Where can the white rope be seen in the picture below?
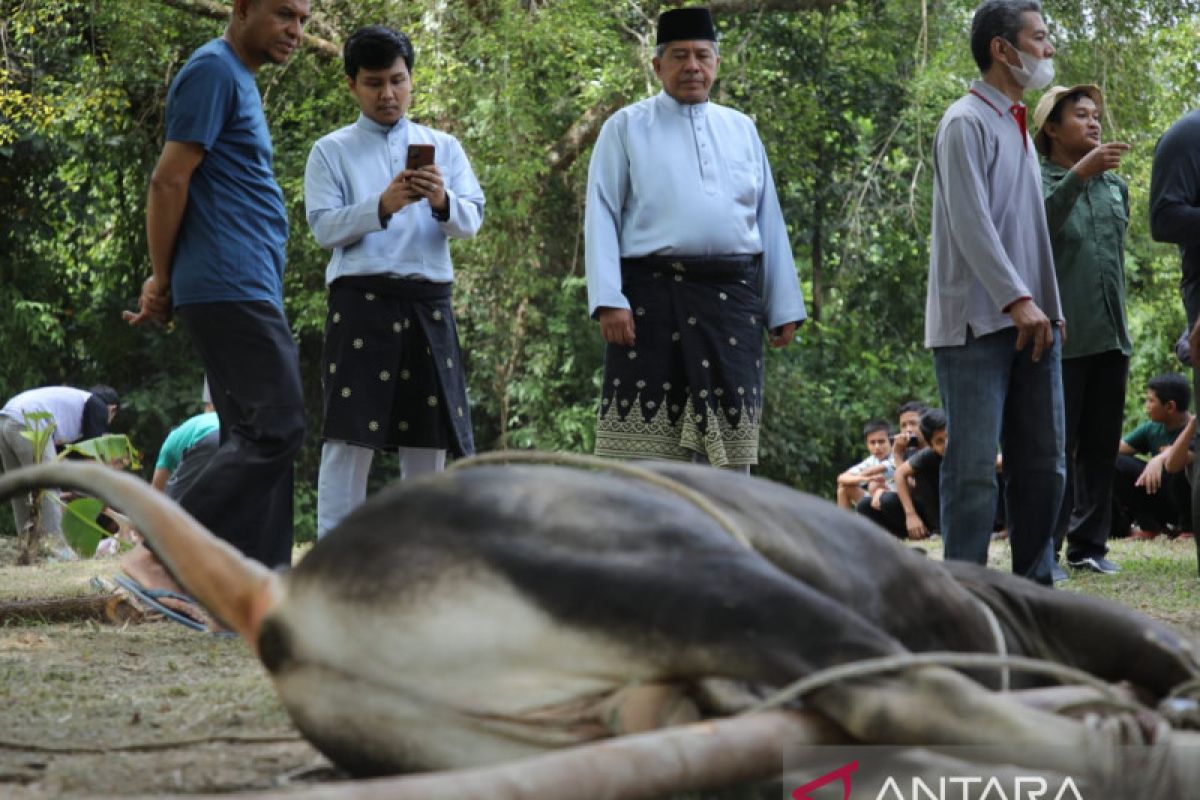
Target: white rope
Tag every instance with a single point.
(1001, 643)
(903, 661)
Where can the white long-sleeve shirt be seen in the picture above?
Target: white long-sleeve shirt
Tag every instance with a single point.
(347, 172)
(670, 178)
(990, 243)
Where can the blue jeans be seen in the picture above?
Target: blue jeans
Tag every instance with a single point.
(994, 394)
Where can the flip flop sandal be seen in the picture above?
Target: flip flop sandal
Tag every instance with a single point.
(151, 598)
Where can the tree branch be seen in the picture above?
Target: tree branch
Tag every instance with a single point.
(584, 130)
(214, 10)
(580, 135)
(698, 757)
(719, 7)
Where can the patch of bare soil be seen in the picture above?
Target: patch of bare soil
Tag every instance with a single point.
(95, 710)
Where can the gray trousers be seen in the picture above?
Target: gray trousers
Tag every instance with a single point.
(191, 464)
(345, 467)
(16, 451)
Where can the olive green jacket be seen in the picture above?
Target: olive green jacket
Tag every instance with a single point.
(1087, 221)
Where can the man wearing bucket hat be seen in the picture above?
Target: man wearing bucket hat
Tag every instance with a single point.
(1087, 210)
(992, 308)
(688, 259)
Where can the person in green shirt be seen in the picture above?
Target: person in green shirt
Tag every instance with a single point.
(185, 452)
(1145, 491)
(1087, 211)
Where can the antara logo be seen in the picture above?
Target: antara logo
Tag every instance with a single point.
(842, 772)
(1025, 787)
(1030, 787)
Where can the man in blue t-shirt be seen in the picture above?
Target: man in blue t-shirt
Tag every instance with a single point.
(216, 227)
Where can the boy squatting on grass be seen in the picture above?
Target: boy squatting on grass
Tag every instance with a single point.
(873, 472)
(908, 442)
(1144, 492)
(912, 509)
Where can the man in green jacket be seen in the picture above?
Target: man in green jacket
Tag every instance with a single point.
(1087, 210)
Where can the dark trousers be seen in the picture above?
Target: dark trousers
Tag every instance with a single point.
(244, 494)
(1189, 290)
(890, 514)
(1094, 404)
(1170, 505)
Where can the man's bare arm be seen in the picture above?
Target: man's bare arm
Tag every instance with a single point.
(165, 204)
(1180, 454)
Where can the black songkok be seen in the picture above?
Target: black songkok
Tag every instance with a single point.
(684, 24)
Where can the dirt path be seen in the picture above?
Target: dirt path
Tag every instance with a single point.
(200, 706)
(94, 710)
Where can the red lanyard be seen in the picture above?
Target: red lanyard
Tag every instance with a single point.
(1018, 114)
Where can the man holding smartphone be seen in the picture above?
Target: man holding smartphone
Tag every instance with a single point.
(386, 195)
(688, 259)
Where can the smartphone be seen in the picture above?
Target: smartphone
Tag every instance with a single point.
(419, 155)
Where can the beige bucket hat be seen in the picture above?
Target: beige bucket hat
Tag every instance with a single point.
(1053, 96)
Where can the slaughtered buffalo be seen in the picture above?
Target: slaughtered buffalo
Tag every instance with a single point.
(504, 611)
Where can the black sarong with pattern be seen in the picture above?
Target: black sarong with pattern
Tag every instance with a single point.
(392, 371)
(692, 383)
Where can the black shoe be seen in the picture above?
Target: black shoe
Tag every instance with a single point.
(1058, 574)
(1098, 564)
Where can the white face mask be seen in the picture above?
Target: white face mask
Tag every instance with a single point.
(1034, 73)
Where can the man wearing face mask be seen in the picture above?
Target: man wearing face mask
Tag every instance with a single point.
(992, 314)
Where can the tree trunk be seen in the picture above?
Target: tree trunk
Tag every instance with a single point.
(105, 607)
(691, 758)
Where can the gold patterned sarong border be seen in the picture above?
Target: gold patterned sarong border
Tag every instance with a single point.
(730, 438)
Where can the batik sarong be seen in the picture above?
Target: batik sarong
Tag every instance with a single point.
(692, 382)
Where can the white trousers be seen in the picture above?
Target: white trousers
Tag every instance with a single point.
(342, 481)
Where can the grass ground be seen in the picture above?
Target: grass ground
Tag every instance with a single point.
(1158, 578)
(90, 710)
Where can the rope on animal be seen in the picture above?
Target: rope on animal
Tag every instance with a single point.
(874, 666)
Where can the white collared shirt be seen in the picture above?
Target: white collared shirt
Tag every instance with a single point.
(669, 178)
(347, 172)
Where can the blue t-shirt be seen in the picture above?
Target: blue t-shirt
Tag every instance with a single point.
(231, 241)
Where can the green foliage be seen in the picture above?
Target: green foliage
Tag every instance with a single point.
(39, 430)
(79, 519)
(847, 101)
(79, 525)
(113, 449)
